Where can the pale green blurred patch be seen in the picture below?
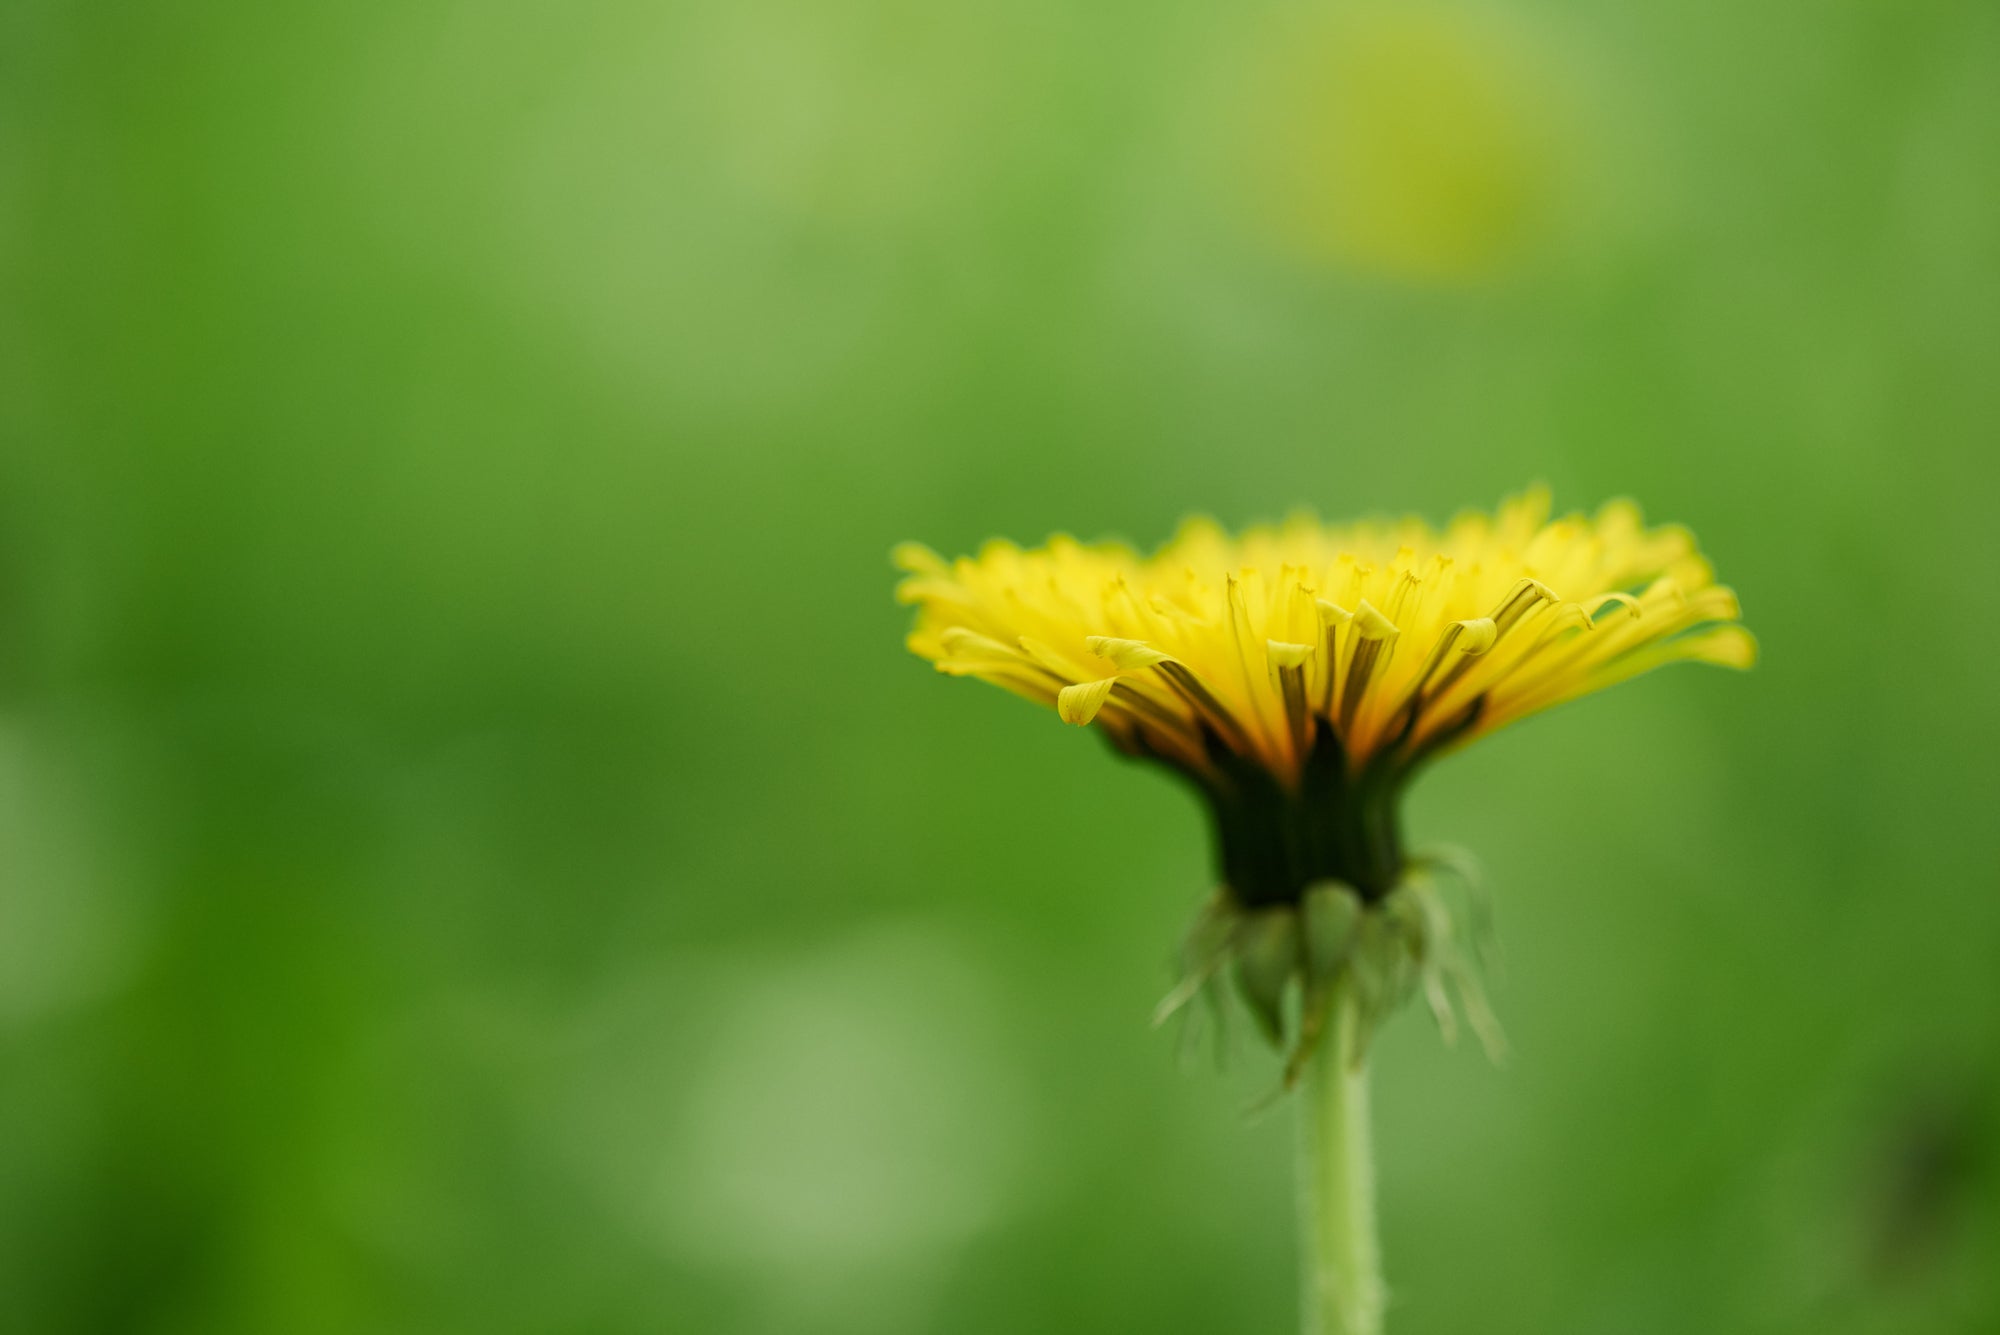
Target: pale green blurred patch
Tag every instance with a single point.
(475, 856)
(70, 929)
(854, 1124)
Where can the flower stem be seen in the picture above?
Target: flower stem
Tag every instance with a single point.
(1341, 1261)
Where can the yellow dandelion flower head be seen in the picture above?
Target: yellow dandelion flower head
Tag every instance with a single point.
(1299, 674)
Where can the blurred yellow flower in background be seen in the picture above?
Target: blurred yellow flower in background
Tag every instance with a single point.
(1420, 141)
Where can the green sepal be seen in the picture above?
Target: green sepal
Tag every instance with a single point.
(1204, 950)
(1451, 963)
(1412, 939)
(1332, 913)
(1267, 955)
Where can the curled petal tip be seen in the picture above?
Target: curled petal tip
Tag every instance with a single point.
(1079, 704)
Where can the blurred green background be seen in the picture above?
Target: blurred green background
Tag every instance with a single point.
(475, 855)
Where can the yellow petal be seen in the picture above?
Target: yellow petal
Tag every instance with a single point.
(1725, 646)
(932, 588)
(1624, 600)
(962, 643)
(1079, 704)
(917, 559)
(1370, 624)
(1474, 636)
(1287, 655)
(1129, 655)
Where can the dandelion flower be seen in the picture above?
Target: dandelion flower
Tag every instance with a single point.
(1299, 676)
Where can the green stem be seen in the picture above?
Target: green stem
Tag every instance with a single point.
(1342, 1261)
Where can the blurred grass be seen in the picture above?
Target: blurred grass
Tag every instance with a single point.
(474, 855)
